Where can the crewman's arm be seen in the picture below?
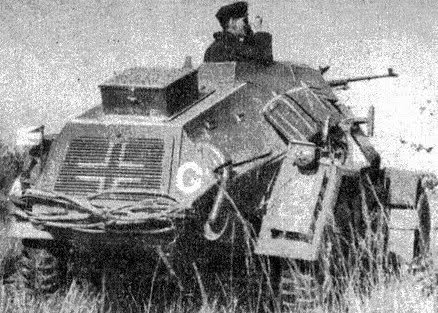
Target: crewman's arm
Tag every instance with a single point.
(257, 48)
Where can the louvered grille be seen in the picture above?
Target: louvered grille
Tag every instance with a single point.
(290, 119)
(94, 164)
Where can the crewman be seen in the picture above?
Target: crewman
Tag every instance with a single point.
(237, 41)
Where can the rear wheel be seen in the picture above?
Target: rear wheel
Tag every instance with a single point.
(42, 266)
(418, 241)
(422, 244)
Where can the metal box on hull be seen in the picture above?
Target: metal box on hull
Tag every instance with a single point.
(150, 91)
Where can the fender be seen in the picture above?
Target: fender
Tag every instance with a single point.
(26, 230)
(19, 228)
(300, 207)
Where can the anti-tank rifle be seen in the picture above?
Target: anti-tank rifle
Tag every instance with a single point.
(344, 82)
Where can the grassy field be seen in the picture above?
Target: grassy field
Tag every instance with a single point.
(407, 293)
(364, 291)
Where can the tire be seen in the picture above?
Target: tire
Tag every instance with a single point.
(422, 242)
(306, 285)
(423, 239)
(42, 267)
(300, 287)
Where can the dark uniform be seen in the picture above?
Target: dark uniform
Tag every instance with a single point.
(227, 47)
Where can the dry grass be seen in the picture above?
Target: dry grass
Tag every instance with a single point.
(364, 291)
(400, 295)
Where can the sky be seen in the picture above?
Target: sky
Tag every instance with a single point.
(56, 52)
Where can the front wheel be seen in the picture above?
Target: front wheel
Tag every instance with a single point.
(300, 287)
(42, 266)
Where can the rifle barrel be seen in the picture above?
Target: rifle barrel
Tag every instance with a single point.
(344, 82)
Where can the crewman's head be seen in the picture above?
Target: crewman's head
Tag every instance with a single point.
(234, 18)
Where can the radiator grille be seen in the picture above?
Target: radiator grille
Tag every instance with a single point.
(94, 164)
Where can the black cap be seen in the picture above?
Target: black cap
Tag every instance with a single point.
(234, 10)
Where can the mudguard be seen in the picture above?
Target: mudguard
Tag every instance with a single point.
(301, 205)
(25, 230)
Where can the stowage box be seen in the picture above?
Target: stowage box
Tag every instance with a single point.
(150, 91)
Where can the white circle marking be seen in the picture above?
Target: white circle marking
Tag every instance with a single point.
(195, 183)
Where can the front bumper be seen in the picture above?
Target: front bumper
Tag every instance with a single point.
(149, 223)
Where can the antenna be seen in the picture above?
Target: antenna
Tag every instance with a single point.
(188, 62)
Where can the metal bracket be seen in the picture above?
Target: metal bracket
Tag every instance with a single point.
(353, 122)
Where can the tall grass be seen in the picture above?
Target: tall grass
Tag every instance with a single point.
(366, 286)
(402, 294)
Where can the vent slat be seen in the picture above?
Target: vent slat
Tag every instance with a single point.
(113, 173)
(93, 164)
(122, 169)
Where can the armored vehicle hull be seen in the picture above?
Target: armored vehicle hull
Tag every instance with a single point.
(180, 162)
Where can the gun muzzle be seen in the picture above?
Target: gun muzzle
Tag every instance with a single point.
(391, 72)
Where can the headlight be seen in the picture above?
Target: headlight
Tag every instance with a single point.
(16, 189)
(305, 156)
(29, 136)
